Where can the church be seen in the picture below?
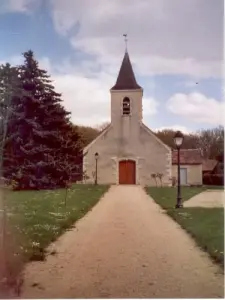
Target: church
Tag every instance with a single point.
(127, 151)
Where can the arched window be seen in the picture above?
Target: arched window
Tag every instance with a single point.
(126, 106)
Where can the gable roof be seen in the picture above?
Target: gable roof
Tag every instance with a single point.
(126, 79)
(209, 164)
(97, 138)
(188, 157)
(155, 136)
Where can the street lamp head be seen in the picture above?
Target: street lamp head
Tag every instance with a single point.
(96, 155)
(178, 139)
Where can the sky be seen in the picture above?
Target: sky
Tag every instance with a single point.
(176, 49)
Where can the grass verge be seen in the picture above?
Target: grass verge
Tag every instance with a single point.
(214, 187)
(40, 217)
(166, 196)
(205, 225)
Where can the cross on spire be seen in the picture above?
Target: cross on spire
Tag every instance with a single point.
(125, 39)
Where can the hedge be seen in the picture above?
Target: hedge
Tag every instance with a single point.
(213, 179)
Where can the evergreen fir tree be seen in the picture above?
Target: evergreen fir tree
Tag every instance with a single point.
(9, 87)
(40, 126)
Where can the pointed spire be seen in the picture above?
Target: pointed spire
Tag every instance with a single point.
(126, 79)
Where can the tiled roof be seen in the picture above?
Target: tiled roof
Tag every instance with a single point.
(126, 79)
(188, 157)
(209, 164)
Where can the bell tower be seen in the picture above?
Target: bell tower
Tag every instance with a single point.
(126, 104)
(126, 93)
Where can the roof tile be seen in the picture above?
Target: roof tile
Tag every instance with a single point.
(188, 157)
(209, 164)
(126, 79)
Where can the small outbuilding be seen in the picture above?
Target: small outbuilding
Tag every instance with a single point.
(191, 162)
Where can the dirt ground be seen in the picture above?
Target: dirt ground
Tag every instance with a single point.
(126, 247)
(209, 198)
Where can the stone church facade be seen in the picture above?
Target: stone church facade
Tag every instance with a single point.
(128, 151)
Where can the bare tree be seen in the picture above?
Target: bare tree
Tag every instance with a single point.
(102, 126)
(155, 178)
(160, 176)
(85, 176)
(87, 134)
(211, 141)
(173, 180)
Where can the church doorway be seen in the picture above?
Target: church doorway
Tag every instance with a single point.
(127, 170)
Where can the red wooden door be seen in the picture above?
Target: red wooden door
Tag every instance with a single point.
(127, 172)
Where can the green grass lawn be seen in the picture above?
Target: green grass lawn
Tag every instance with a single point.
(205, 225)
(166, 196)
(38, 218)
(214, 187)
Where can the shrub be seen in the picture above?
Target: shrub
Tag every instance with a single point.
(154, 176)
(160, 176)
(174, 181)
(213, 179)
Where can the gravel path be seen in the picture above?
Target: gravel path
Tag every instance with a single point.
(126, 247)
(209, 198)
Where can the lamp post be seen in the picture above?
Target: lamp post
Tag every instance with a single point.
(96, 167)
(178, 140)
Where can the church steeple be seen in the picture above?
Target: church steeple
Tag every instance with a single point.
(126, 79)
